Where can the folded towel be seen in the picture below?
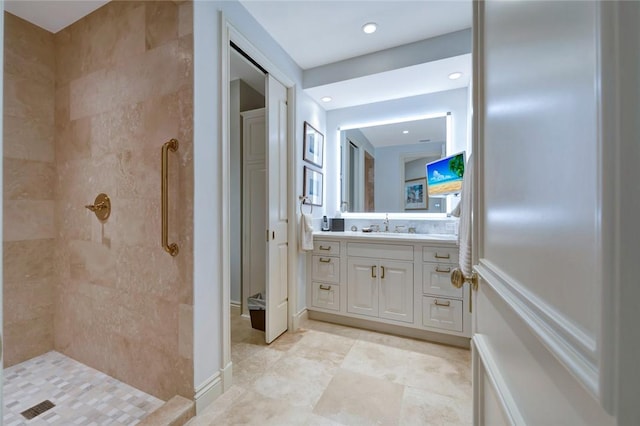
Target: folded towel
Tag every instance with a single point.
(306, 232)
(464, 228)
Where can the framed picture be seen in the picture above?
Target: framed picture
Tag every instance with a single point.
(313, 145)
(415, 194)
(313, 186)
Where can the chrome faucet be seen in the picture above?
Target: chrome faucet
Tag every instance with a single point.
(386, 223)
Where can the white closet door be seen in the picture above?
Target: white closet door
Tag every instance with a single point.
(276, 188)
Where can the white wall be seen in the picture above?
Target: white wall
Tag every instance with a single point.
(454, 101)
(207, 165)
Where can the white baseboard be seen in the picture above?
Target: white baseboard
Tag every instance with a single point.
(208, 392)
(227, 377)
(299, 317)
(235, 305)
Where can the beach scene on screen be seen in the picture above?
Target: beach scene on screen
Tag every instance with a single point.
(445, 175)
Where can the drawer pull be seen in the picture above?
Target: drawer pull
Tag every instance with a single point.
(446, 256)
(325, 287)
(373, 272)
(324, 248)
(443, 270)
(323, 260)
(442, 304)
(382, 267)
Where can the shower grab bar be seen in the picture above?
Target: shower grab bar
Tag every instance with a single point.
(172, 248)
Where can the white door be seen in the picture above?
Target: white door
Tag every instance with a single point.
(276, 188)
(539, 333)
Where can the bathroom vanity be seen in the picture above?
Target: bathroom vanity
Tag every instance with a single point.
(393, 282)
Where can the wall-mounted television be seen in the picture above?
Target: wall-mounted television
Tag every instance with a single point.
(444, 176)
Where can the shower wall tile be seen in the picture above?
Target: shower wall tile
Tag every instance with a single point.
(27, 261)
(23, 179)
(124, 87)
(161, 23)
(185, 18)
(27, 339)
(28, 138)
(28, 220)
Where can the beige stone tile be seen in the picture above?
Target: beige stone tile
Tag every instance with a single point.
(27, 339)
(118, 129)
(440, 375)
(185, 18)
(133, 81)
(323, 346)
(110, 35)
(415, 345)
(29, 99)
(73, 140)
(247, 371)
(29, 138)
(61, 112)
(27, 300)
(28, 220)
(92, 262)
(327, 327)
(73, 221)
(185, 332)
(28, 260)
(357, 399)
(138, 173)
(299, 380)
(28, 180)
(420, 407)
(28, 49)
(219, 407)
(161, 21)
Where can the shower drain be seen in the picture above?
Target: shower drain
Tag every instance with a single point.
(38, 409)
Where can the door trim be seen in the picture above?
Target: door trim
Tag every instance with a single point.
(230, 33)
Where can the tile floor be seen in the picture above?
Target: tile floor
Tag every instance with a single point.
(82, 395)
(327, 374)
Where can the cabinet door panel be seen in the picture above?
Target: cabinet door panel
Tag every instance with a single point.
(325, 268)
(396, 291)
(362, 290)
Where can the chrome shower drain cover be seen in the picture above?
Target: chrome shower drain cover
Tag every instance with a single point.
(38, 409)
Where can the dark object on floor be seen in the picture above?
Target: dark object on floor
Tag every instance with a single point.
(257, 309)
(37, 409)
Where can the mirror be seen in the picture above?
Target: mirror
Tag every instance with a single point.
(383, 165)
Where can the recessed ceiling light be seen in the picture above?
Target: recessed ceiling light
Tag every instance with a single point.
(326, 99)
(370, 27)
(405, 131)
(455, 75)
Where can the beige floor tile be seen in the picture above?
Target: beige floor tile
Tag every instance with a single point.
(444, 376)
(356, 399)
(248, 370)
(421, 407)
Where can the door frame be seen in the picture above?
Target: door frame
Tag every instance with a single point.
(228, 34)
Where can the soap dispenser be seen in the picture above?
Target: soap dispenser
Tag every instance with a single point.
(325, 223)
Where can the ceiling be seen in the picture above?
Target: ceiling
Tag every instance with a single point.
(52, 15)
(320, 32)
(431, 131)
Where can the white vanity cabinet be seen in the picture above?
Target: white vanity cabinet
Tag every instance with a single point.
(400, 280)
(325, 275)
(380, 280)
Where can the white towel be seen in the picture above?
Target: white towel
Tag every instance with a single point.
(464, 228)
(306, 232)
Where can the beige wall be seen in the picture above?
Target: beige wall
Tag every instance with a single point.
(28, 192)
(123, 86)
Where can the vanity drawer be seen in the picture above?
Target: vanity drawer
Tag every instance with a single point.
(325, 296)
(442, 313)
(326, 248)
(440, 254)
(325, 268)
(436, 279)
(380, 251)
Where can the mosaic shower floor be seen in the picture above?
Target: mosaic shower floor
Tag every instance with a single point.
(82, 395)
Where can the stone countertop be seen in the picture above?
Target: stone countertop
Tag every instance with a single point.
(388, 236)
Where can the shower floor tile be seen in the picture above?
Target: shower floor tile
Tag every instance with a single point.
(82, 395)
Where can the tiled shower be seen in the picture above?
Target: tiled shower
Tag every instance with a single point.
(86, 111)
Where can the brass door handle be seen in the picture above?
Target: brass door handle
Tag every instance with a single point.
(382, 276)
(373, 271)
(442, 304)
(171, 145)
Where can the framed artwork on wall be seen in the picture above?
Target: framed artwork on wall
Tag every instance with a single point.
(313, 145)
(313, 185)
(415, 194)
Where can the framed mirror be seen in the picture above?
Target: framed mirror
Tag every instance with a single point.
(383, 165)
